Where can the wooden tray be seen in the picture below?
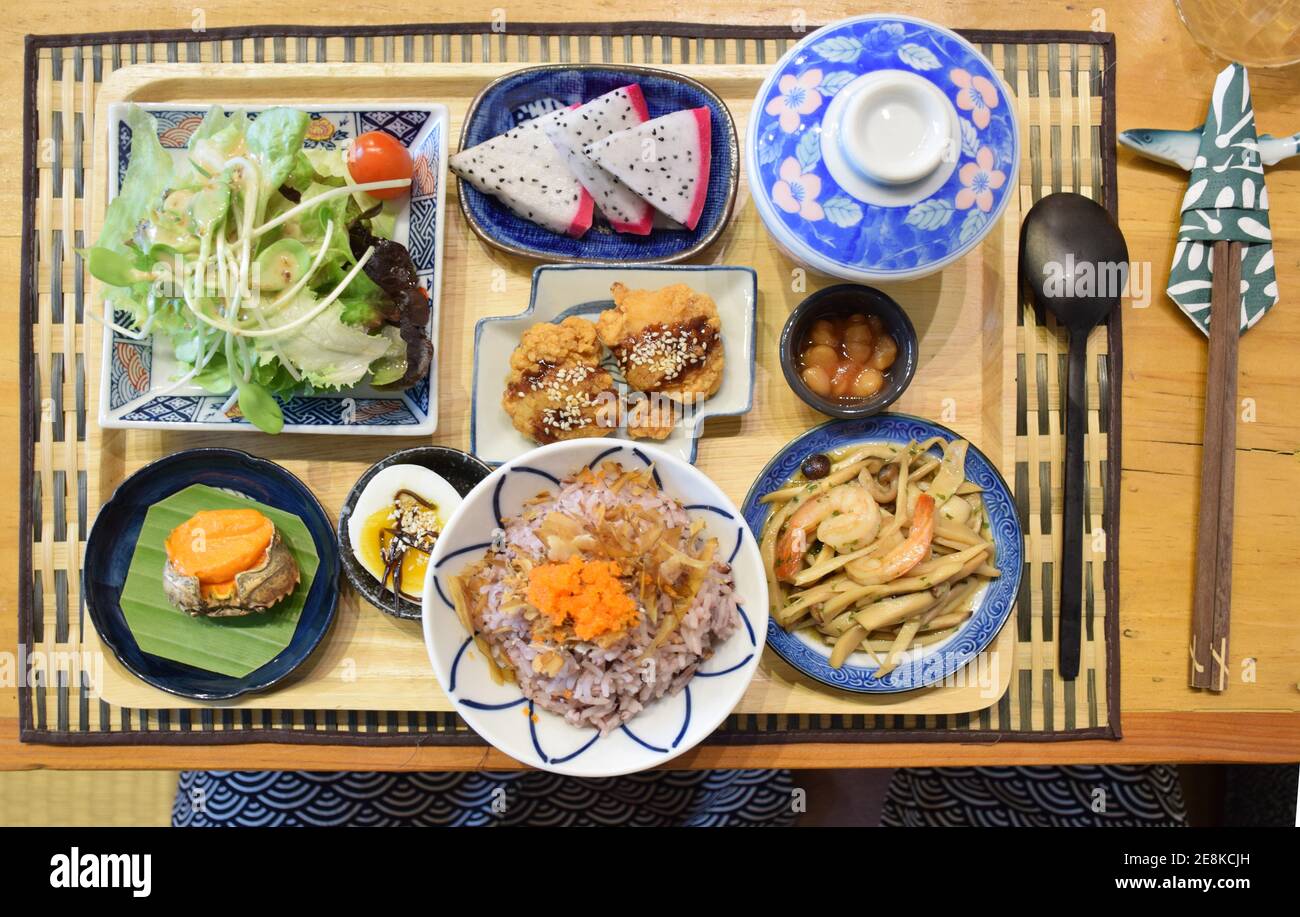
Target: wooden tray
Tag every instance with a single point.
(965, 318)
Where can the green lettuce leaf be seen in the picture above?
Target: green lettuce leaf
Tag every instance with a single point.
(302, 175)
(218, 137)
(328, 352)
(363, 311)
(148, 176)
(328, 164)
(275, 140)
(392, 365)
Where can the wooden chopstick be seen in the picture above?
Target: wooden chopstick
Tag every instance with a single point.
(1212, 600)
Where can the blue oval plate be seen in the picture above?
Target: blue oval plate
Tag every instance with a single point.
(932, 663)
(822, 224)
(112, 543)
(524, 94)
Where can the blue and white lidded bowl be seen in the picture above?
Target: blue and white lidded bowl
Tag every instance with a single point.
(881, 148)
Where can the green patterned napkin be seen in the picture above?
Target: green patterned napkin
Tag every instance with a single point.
(1226, 199)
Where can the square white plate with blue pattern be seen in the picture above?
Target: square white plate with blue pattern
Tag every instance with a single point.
(135, 373)
(562, 290)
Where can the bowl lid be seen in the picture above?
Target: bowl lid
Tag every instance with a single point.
(843, 144)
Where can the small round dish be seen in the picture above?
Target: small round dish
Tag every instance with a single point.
(459, 469)
(111, 546)
(881, 147)
(926, 665)
(841, 298)
(500, 713)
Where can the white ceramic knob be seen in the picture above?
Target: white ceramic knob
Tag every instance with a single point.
(894, 128)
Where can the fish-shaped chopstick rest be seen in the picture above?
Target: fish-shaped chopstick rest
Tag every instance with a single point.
(1178, 148)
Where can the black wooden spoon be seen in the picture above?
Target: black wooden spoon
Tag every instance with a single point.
(1075, 262)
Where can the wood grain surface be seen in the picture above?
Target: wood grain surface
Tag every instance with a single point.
(1163, 81)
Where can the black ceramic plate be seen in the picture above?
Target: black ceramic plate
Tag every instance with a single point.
(117, 528)
(459, 469)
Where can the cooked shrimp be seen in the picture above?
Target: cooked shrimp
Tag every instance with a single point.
(843, 516)
(913, 550)
(887, 551)
(853, 518)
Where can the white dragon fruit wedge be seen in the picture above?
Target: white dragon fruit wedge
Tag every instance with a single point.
(584, 124)
(522, 169)
(666, 161)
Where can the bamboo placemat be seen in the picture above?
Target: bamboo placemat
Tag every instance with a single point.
(1064, 90)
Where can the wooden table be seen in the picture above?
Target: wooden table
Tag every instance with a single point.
(1163, 81)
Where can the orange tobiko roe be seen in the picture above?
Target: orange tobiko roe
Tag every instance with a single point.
(216, 544)
(586, 593)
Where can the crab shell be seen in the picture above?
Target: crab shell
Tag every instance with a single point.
(256, 589)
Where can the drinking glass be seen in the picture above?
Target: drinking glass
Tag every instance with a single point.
(1256, 33)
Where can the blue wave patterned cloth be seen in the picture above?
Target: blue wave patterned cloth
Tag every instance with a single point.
(1087, 795)
(535, 798)
(1082, 795)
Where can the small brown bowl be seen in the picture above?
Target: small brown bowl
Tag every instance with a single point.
(837, 300)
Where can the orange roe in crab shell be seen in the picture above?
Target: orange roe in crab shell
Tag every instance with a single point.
(584, 593)
(216, 545)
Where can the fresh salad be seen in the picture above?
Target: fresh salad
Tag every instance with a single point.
(269, 266)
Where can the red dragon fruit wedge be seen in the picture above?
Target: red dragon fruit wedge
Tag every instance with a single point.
(584, 124)
(666, 161)
(522, 170)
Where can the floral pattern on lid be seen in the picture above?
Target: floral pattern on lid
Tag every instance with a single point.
(798, 96)
(980, 179)
(822, 224)
(975, 95)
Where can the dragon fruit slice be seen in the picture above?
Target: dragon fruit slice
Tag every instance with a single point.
(666, 161)
(522, 170)
(596, 120)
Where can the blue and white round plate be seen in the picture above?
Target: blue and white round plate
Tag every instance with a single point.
(499, 712)
(809, 168)
(926, 665)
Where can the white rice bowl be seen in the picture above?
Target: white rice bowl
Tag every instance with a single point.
(619, 709)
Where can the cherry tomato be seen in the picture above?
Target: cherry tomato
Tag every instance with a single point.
(376, 156)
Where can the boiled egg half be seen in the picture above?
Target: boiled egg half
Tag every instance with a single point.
(395, 523)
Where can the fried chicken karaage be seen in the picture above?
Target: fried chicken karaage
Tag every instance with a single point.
(667, 341)
(556, 388)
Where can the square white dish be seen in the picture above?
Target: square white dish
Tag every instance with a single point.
(134, 373)
(562, 290)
